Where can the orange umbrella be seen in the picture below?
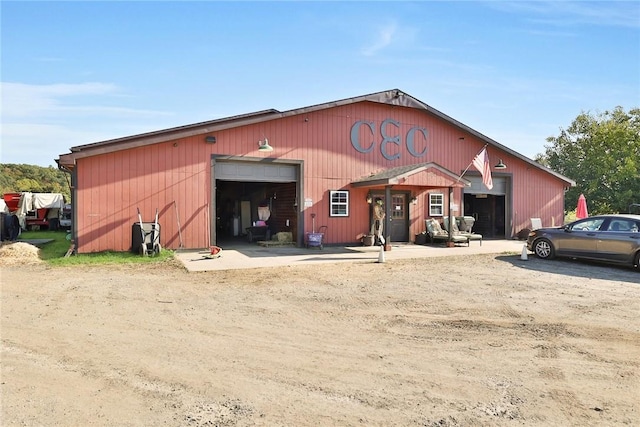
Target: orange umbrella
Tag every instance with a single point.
(581, 210)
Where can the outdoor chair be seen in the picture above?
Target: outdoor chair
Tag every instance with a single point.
(536, 223)
(457, 232)
(437, 235)
(465, 223)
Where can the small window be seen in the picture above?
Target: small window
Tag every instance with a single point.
(436, 204)
(339, 203)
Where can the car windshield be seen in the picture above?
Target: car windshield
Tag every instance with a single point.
(589, 224)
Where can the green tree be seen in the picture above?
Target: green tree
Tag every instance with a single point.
(29, 184)
(601, 153)
(36, 179)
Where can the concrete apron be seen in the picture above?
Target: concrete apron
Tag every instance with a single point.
(255, 256)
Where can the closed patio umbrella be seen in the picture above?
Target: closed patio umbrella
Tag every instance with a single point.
(581, 210)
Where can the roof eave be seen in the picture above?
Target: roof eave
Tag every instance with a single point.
(164, 135)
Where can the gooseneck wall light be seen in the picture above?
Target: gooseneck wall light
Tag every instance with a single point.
(500, 165)
(263, 145)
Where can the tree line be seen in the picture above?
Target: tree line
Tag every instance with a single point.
(18, 178)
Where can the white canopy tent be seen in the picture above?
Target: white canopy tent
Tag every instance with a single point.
(33, 201)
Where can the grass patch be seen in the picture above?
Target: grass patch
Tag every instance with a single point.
(55, 249)
(53, 252)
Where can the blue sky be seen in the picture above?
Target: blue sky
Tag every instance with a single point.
(77, 72)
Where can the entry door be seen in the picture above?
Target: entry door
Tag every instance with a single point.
(398, 217)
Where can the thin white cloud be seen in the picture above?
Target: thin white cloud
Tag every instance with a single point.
(26, 132)
(41, 121)
(25, 101)
(384, 38)
(40, 144)
(571, 13)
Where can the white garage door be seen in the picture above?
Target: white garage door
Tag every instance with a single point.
(255, 171)
(477, 187)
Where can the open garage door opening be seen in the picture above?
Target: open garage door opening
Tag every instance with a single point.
(254, 200)
(251, 211)
(489, 213)
(490, 208)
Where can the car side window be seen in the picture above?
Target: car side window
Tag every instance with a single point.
(615, 225)
(624, 225)
(587, 225)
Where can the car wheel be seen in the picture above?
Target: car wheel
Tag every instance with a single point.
(636, 262)
(543, 249)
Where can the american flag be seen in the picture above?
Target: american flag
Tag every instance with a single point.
(481, 162)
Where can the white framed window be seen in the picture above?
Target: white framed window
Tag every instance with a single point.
(436, 204)
(338, 203)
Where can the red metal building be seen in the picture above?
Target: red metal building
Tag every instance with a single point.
(326, 162)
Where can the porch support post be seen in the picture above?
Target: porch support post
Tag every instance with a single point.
(387, 217)
(450, 242)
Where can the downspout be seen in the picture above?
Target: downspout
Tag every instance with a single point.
(72, 190)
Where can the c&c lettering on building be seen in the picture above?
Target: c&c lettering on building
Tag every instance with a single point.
(388, 135)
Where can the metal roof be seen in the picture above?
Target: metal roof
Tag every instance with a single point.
(389, 97)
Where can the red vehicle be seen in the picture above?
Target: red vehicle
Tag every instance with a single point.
(12, 200)
(39, 212)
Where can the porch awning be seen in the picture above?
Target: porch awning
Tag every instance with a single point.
(428, 175)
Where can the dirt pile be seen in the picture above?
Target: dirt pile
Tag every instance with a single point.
(18, 253)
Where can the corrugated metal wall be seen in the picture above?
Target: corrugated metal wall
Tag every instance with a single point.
(111, 187)
(175, 176)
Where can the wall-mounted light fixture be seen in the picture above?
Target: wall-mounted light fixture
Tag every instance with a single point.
(414, 200)
(263, 145)
(500, 165)
(369, 198)
(210, 139)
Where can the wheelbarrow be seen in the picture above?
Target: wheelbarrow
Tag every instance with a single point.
(150, 245)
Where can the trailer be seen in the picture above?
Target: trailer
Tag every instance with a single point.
(36, 210)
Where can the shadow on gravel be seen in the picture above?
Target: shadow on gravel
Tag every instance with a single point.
(577, 268)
